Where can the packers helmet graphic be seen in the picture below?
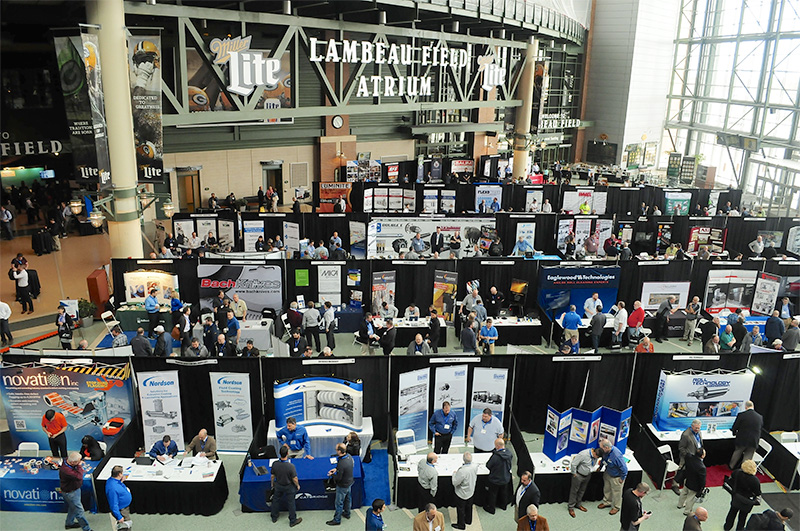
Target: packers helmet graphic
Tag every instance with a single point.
(89, 56)
(198, 100)
(146, 151)
(71, 70)
(146, 51)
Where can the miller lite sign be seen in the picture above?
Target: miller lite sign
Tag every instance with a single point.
(494, 75)
(247, 69)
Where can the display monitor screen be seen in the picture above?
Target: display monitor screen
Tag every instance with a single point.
(47, 174)
(601, 153)
(519, 287)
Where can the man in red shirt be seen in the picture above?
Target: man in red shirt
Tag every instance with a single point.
(55, 425)
(70, 476)
(635, 321)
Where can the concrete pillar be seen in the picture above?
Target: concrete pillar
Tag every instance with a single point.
(124, 231)
(522, 128)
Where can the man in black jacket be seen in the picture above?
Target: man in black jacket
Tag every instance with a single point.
(297, 344)
(769, 519)
(747, 428)
(343, 476)
(388, 337)
(224, 347)
(433, 335)
(499, 466)
(163, 343)
(140, 345)
(695, 480)
(708, 330)
(368, 334)
(632, 515)
(437, 241)
(527, 493)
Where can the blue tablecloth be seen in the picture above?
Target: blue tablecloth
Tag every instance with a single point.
(749, 323)
(311, 474)
(349, 319)
(40, 492)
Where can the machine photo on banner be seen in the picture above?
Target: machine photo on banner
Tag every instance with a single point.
(445, 291)
(526, 231)
(96, 401)
(160, 401)
(766, 294)
(488, 390)
(320, 400)
(388, 237)
(451, 386)
(358, 239)
(412, 404)
(573, 430)
(139, 283)
(383, 289)
(561, 286)
(259, 286)
(677, 203)
(714, 398)
(729, 289)
(230, 393)
(654, 293)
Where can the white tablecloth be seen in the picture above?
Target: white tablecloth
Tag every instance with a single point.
(544, 465)
(172, 472)
(675, 435)
(325, 438)
(260, 334)
(446, 466)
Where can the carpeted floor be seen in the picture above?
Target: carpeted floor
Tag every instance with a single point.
(715, 474)
(376, 478)
(778, 500)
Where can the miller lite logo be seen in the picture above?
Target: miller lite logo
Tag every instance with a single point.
(493, 74)
(247, 68)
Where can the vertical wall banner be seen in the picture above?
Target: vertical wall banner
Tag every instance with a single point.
(677, 203)
(291, 236)
(488, 194)
(259, 286)
(766, 293)
(449, 203)
(329, 280)
(392, 172)
(144, 62)
(330, 193)
(396, 200)
(713, 201)
(527, 231)
(252, 229)
(409, 200)
(451, 386)
(226, 236)
(445, 288)
(488, 390)
(368, 195)
(565, 226)
(530, 197)
(79, 71)
(230, 393)
(358, 239)
(160, 400)
(380, 201)
(664, 236)
(383, 289)
(729, 289)
(604, 229)
(420, 168)
(430, 201)
(412, 404)
(436, 167)
(583, 229)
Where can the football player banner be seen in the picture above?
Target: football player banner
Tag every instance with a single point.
(144, 57)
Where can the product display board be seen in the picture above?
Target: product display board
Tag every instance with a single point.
(230, 393)
(729, 289)
(90, 398)
(412, 404)
(259, 286)
(604, 229)
(530, 197)
(488, 390)
(713, 397)
(765, 294)
(711, 237)
(383, 289)
(561, 286)
(329, 281)
(291, 236)
(387, 237)
(445, 293)
(451, 386)
(430, 200)
(319, 400)
(160, 400)
(654, 293)
(677, 203)
(252, 229)
(448, 200)
(565, 227)
(593, 202)
(793, 240)
(488, 195)
(358, 239)
(139, 283)
(574, 430)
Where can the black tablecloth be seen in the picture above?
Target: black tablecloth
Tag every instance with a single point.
(555, 487)
(406, 335)
(42, 243)
(85, 228)
(167, 497)
(407, 493)
(518, 335)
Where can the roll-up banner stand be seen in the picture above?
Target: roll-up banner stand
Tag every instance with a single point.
(358, 239)
(329, 281)
(230, 393)
(144, 66)
(445, 289)
(488, 390)
(160, 400)
(430, 202)
(291, 236)
(604, 229)
(451, 386)
(436, 167)
(320, 400)
(383, 289)
(412, 404)
(766, 294)
(252, 229)
(565, 226)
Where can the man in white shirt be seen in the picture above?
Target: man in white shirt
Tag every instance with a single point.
(547, 208)
(464, 481)
(311, 325)
(328, 319)
(23, 287)
(388, 311)
(591, 304)
(5, 331)
(411, 311)
(620, 323)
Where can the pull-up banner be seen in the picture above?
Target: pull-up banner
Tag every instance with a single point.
(445, 287)
(230, 393)
(451, 386)
(766, 294)
(412, 404)
(160, 400)
(488, 390)
(383, 289)
(144, 65)
(561, 286)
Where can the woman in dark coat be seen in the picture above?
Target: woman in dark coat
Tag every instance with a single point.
(90, 449)
(745, 487)
(353, 444)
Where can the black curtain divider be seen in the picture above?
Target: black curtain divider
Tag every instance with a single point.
(372, 370)
(540, 382)
(185, 269)
(776, 390)
(623, 201)
(742, 231)
(197, 406)
(492, 273)
(311, 292)
(524, 461)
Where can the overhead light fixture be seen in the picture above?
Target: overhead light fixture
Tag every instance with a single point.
(287, 7)
(755, 370)
(168, 208)
(382, 18)
(96, 218)
(151, 2)
(456, 26)
(76, 205)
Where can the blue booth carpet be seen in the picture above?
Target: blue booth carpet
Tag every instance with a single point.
(376, 478)
(106, 341)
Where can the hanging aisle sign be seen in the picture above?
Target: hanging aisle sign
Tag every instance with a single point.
(144, 56)
(230, 393)
(160, 400)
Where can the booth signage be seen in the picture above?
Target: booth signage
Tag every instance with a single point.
(230, 393)
(488, 391)
(412, 404)
(247, 69)
(319, 400)
(160, 399)
(451, 386)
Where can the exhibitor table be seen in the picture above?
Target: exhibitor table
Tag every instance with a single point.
(325, 437)
(718, 444)
(39, 491)
(553, 478)
(407, 493)
(513, 331)
(169, 489)
(261, 334)
(133, 316)
(311, 474)
(408, 330)
(583, 330)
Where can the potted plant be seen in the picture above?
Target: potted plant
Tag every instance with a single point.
(86, 311)
(241, 203)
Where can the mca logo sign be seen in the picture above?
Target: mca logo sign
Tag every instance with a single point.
(493, 74)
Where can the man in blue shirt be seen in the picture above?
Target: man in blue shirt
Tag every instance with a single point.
(488, 335)
(495, 206)
(119, 497)
(417, 243)
(296, 439)
(570, 322)
(521, 247)
(570, 346)
(443, 425)
(480, 312)
(232, 329)
(153, 312)
(616, 470)
(163, 449)
(374, 518)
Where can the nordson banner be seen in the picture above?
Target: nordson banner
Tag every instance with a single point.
(144, 56)
(160, 399)
(230, 394)
(78, 61)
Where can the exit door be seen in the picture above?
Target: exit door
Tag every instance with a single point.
(272, 175)
(188, 190)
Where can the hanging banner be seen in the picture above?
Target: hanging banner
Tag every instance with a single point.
(259, 286)
(81, 85)
(488, 195)
(713, 397)
(332, 193)
(677, 203)
(766, 294)
(430, 201)
(383, 289)
(90, 398)
(409, 201)
(604, 230)
(711, 237)
(358, 239)
(674, 164)
(451, 386)
(462, 166)
(534, 200)
(160, 401)
(565, 227)
(583, 229)
(561, 286)
(291, 236)
(144, 66)
(420, 168)
(252, 229)
(320, 400)
(412, 404)
(227, 236)
(380, 200)
(436, 167)
(713, 202)
(445, 289)
(388, 237)
(729, 289)
(449, 202)
(329, 281)
(488, 390)
(230, 394)
(526, 231)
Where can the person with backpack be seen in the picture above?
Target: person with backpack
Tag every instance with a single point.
(770, 520)
(746, 489)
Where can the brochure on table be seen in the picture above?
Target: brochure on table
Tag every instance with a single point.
(573, 430)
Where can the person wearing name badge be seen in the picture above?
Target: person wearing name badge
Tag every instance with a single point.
(411, 311)
(486, 428)
(153, 312)
(70, 478)
(297, 344)
(119, 499)
(521, 247)
(427, 480)
(343, 478)
(616, 470)
(581, 468)
(591, 304)
(223, 347)
(164, 449)
(527, 493)
(374, 520)
(443, 425)
(232, 328)
(203, 445)
(418, 347)
(296, 439)
(464, 481)
(570, 321)
(488, 335)
(429, 519)
(531, 521)
(55, 425)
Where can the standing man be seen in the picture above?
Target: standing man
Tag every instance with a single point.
(464, 481)
(494, 302)
(435, 330)
(620, 323)
(527, 493)
(692, 314)
(581, 468)
(693, 521)
(295, 438)
(285, 484)
(343, 476)
(119, 498)
(311, 325)
(417, 245)
(388, 338)
(591, 304)
(367, 334)
(5, 330)
(570, 321)
(153, 312)
(690, 441)
(616, 470)
(662, 317)
(695, 480)
(185, 327)
(140, 345)
(635, 321)
(532, 521)
(499, 465)
(329, 320)
(239, 308)
(785, 310)
(469, 341)
(470, 301)
(429, 519)
(5, 219)
(747, 429)
(437, 241)
(597, 324)
(774, 327)
(374, 520)
(791, 337)
(486, 428)
(203, 444)
(55, 425)
(70, 476)
(427, 480)
(488, 336)
(632, 515)
(20, 275)
(443, 425)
